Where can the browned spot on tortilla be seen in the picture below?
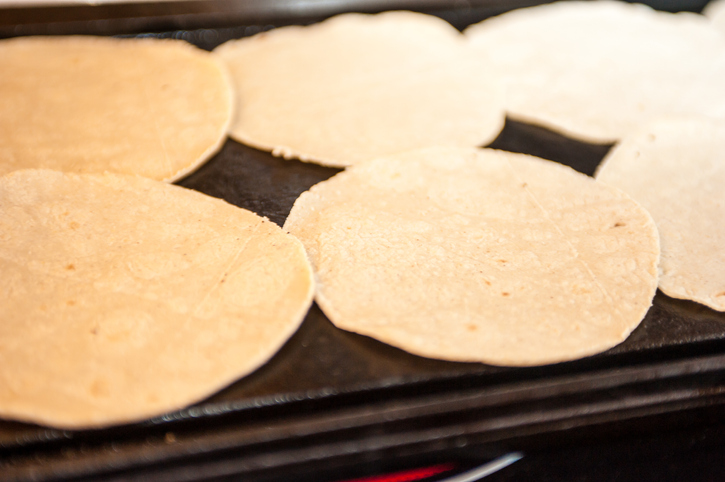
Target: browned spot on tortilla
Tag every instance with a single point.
(99, 388)
(70, 267)
(580, 290)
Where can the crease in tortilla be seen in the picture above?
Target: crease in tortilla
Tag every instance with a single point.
(125, 298)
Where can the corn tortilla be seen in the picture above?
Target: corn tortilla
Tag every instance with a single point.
(360, 86)
(479, 255)
(155, 108)
(125, 298)
(675, 168)
(597, 70)
(715, 11)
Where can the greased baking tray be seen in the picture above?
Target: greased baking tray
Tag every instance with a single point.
(331, 398)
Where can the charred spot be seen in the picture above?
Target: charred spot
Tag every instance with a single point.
(70, 267)
(619, 224)
(505, 294)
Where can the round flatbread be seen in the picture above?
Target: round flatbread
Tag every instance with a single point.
(479, 255)
(124, 298)
(715, 11)
(597, 70)
(675, 168)
(155, 108)
(360, 86)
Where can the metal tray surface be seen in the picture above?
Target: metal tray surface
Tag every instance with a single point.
(332, 396)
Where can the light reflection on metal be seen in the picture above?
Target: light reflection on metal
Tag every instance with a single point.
(487, 469)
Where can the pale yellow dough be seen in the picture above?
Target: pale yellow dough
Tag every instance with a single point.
(676, 169)
(155, 108)
(596, 70)
(124, 298)
(360, 86)
(479, 255)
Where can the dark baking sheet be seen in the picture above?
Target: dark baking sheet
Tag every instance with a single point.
(336, 397)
